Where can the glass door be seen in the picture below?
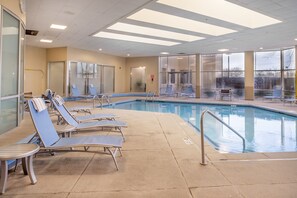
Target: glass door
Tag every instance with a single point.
(56, 77)
(138, 79)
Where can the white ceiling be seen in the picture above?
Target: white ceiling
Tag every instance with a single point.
(86, 17)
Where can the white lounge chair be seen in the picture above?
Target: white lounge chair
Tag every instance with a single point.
(51, 141)
(87, 125)
(100, 116)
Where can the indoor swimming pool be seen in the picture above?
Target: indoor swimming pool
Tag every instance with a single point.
(262, 130)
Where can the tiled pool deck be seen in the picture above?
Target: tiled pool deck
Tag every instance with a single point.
(156, 162)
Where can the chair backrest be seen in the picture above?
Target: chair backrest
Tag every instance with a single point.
(75, 91)
(277, 91)
(187, 89)
(169, 89)
(43, 125)
(225, 91)
(92, 90)
(65, 114)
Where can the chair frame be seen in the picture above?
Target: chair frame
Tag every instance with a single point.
(61, 144)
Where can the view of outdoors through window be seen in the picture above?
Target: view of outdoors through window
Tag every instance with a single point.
(221, 71)
(272, 69)
(272, 73)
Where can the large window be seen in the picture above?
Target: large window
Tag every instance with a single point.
(274, 69)
(289, 68)
(222, 71)
(11, 71)
(178, 72)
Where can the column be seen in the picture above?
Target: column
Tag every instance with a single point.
(295, 71)
(249, 75)
(198, 77)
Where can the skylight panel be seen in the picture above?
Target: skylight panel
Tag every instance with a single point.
(134, 39)
(124, 27)
(223, 10)
(164, 19)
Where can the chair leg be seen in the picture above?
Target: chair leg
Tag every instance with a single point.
(119, 128)
(4, 173)
(120, 151)
(113, 156)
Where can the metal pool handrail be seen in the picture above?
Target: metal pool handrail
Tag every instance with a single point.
(203, 162)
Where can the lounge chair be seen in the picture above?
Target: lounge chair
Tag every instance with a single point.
(93, 92)
(225, 93)
(187, 90)
(169, 91)
(75, 93)
(59, 100)
(51, 141)
(87, 125)
(276, 94)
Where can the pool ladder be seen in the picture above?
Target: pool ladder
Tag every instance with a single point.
(100, 99)
(203, 161)
(150, 96)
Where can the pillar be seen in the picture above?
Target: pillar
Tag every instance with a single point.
(198, 76)
(249, 75)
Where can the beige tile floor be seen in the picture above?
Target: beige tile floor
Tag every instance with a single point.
(156, 162)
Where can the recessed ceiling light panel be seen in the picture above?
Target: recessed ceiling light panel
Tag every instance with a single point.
(159, 18)
(134, 39)
(124, 27)
(46, 41)
(59, 27)
(223, 50)
(223, 10)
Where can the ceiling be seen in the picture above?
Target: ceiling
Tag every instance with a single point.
(84, 18)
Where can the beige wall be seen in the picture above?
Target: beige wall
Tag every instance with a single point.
(74, 54)
(56, 54)
(36, 60)
(35, 70)
(14, 7)
(151, 68)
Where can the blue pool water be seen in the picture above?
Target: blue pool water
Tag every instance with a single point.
(263, 130)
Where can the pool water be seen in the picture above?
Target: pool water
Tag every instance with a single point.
(263, 130)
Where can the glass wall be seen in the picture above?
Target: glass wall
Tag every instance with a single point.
(177, 71)
(275, 69)
(289, 69)
(12, 70)
(222, 71)
(83, 74)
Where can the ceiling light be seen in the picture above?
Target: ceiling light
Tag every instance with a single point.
(223, 50)
(223, 10)
(295, 39)
(46, 41)
(128, 54)
(59, 27)
(159, 18)
(164, 53)
(124, 27)
(100, 49)
(134, 39)
(261, 48)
